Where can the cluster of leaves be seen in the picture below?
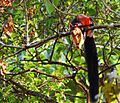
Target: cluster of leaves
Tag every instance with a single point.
(38, 61)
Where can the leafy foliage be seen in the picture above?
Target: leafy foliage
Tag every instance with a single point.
(38, 61)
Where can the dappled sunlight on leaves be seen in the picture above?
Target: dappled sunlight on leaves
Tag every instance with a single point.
(50, 68)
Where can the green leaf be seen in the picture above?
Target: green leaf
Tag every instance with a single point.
(91, 11)
(49, 22)
(55, 2)
(49, 7)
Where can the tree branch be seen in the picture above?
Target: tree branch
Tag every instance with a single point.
(33, 93)
(59, 35)
(108, 68)
(104, 26)
(39, 72)
(58, 63)
(11, 46)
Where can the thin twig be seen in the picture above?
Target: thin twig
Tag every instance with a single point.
(26, 20)
(85, 89)
(58, 63)
(108, 68)
(11, 46)
(39, 72)
(53, 49)
(109, 8)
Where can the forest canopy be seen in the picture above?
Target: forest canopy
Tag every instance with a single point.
(39, 62)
